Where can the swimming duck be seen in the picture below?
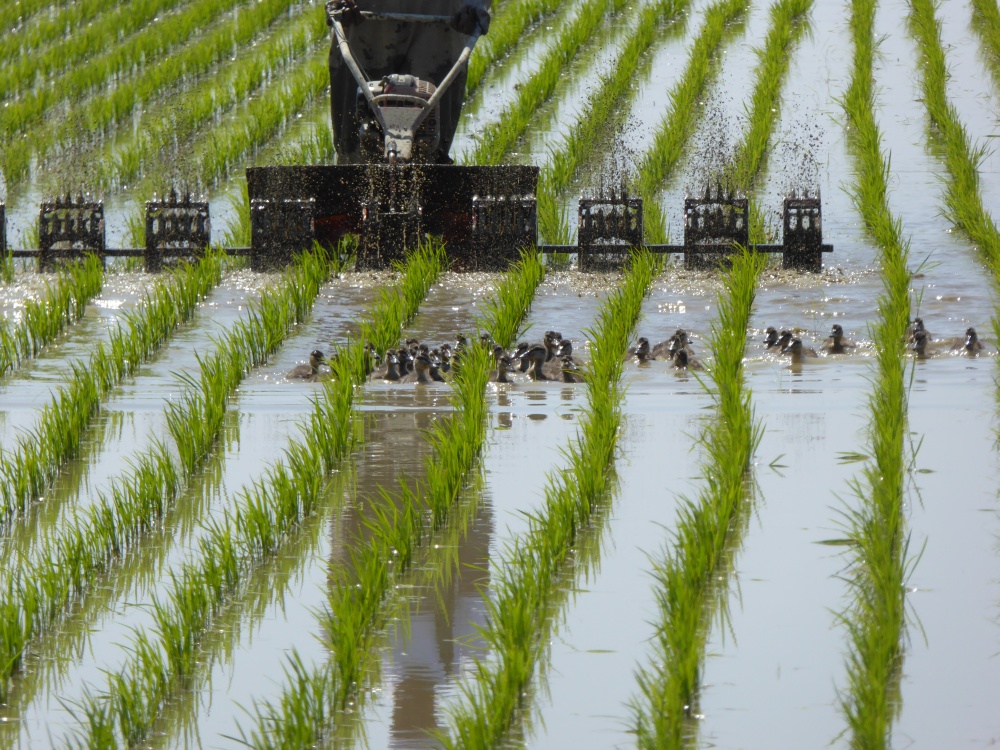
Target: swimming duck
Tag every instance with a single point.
(519, 353)
(309, 372)
(551, 342)
(770, 337)
(642, 351)
(836, 344)
(392, 372)
(504, 366)
(570, 370)
(684, 361)
(667, 349)
(798, 352)
(445, 356)
(917, 326)
(536, 357)
(782, 343)
(421, 371)
(971, 346)
(920, 345)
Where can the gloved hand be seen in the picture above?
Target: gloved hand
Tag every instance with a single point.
(347, 12)
(470, 17)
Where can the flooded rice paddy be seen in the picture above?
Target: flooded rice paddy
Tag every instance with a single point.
(776, 667)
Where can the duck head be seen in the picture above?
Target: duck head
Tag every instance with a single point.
(316, 359)
(770, 336)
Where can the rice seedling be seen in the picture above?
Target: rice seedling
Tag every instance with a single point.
(875, 620)
(64, 302)
(7, 267)
(499, 137)
(531, 565)
(686, 572)
(358, 604)
(134, 504)
(583, 135)
(963, 199)
(30, 467)
(678, 124)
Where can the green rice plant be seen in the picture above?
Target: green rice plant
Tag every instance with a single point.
(358, 606)
(986, 23)
(7, 267)
(507, 29)
(533, 563)
(875, 620)
(963, 199)
(136, 503)
(64, 302)
(678, 125)
(686, 572)
(583, 135)
(33, 464)
(499, 137)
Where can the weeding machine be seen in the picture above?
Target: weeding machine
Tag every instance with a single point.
(485, 214)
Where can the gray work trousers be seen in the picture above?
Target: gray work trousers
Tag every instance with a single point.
(425, 50)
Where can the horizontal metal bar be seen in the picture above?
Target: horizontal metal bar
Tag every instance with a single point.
(123, 252)
(680, 249)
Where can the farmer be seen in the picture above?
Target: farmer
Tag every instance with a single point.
(425, 50)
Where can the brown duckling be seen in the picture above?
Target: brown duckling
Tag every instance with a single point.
(570, 370)
(684, 361)
(971, 345)
(917, 326)
(770, 337)
(782, 343)
(667, 349)
(504, 367)
(642, 351)
(536, 357)
(391, 372)
(309, 372)
(798, 352)
(836, 343)
(920, 345)
(421, 371)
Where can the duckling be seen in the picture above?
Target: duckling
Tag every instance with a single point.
(504, 367)
(519, 353)
(405, 360)
(437, 366)
(570, 370)
(667, 349)
(916, 327)
(392, 372)
(684, 361)
(798, 352)
(770, 337)
(371, 358)
(551, 342)
(309, 372)
(781, 345)
(642, 351)
(836, 344)
(536, 357)
(421, 371)
(971, 345)
(920, 345)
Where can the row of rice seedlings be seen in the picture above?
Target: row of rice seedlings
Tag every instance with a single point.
(98, 115)
(875, 619)
(787, 25)
(271, 61)
(265, 513)
(358, 603)
(25, 68)
(686, 573)
(986, 17)
(499, 137)
(531, 565)
(507, 29)
(17, 16)
(658, 162)
(64, 302)
(582, 137)
(963, 200)
(30, 468)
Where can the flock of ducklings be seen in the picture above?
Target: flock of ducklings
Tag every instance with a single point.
(918, 341)
(552, 359)
(414, 362)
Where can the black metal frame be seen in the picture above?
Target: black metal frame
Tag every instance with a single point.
(176, 228)
(69, 229)
(607, 227)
